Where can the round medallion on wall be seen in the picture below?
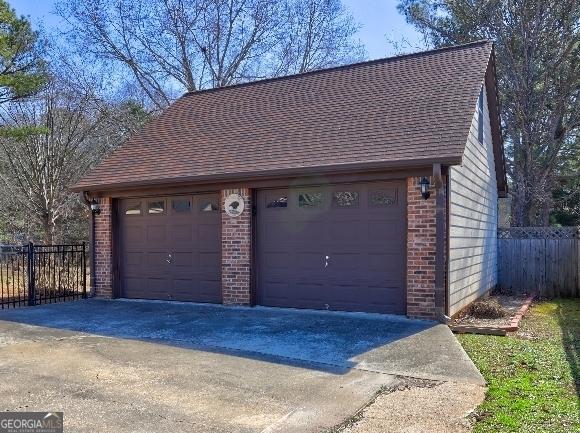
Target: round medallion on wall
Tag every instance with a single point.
(234, 205)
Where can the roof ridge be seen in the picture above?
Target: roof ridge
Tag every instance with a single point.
(341, 67)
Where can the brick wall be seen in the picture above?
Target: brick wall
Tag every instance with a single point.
(236, 251)
(421, 248)
(103, 250)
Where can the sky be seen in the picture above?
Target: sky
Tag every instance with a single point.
(379, 20)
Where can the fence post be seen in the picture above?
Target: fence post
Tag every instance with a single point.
(84, 268)
(31, 276)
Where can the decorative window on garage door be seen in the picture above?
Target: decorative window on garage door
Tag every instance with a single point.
(276, 201)
(133, 208)
(310, 199)
(382, 197)
(156, 207)
(208, 206)
(181, 205)
(345, 199)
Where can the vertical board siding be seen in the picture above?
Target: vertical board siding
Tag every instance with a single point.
(549, 267)
(473, 261)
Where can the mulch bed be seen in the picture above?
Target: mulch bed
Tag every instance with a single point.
(515, 307)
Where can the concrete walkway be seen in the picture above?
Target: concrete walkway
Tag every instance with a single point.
(128, 366)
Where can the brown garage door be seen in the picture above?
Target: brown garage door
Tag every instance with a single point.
(170, 248)
(339, 247)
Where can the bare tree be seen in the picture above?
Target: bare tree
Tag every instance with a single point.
(54, 139)
(317, 34)
(171, 46)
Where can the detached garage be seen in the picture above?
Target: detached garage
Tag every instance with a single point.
(369, 187)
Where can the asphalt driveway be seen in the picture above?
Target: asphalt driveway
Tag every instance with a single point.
(130, 366)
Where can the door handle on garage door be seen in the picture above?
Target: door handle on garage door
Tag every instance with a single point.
(169, 258)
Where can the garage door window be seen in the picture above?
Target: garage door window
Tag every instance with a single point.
(276, 201)
(208, 206)
(344, 199)
(310, 199)
(156, 207)
(133, 208)
(382, 198)
(181, 205)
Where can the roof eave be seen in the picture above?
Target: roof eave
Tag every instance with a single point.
(496, 130)
(272, 174)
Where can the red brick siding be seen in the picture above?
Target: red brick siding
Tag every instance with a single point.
(237, 251)
(104, 249)
(421, 247)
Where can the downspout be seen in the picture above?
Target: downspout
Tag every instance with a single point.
(86, 199)
(440, 213)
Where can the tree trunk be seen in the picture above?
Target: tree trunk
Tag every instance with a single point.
(46, 229)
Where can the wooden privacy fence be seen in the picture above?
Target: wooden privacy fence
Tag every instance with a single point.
(545, 260)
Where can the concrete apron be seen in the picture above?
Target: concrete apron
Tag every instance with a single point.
(146, 366)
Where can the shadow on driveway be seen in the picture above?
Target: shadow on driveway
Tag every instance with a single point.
(326, 341)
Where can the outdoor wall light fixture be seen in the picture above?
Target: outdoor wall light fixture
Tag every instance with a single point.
(424, 184)
(95, 207)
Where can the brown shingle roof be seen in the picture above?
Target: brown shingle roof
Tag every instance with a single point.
(403, 111)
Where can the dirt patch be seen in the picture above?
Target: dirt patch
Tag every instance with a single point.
(493, 311)
(487, 308)
(418, 406)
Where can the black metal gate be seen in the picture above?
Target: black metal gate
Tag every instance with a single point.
(42, 274)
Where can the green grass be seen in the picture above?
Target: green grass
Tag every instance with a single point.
(533, 375)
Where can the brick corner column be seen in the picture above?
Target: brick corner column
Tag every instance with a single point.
(421, 252)
(237, 251)
(103, 250)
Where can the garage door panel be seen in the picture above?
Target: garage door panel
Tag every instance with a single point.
(186, 260)
(134, 258)
(159, 284)
(306, 290)
(382, 231)
(277, 260)
(309, 261)
(156, 233)
(341, 263)
(134, 284)
(134, 233)
(209, 262)
(276, 232)
(208, 233)
(173, 254)
(181, 233)
(360, 227)
(279, 287)
(345, 231)
(386, 262)
(311, 229)
(156, 258)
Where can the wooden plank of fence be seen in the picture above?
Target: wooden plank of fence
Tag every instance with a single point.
(545, 260)
(538, 264)
(552, 265)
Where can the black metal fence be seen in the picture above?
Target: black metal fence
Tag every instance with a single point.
(42, 274)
